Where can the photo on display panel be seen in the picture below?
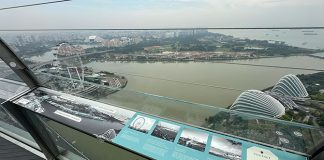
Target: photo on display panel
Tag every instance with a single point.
(142, 124)
(193, 139)
(166, 131)
(225, 148)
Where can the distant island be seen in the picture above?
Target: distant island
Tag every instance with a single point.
(198, 46)
(182, 45)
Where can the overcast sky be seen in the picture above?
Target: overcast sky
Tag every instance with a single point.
(162, 13)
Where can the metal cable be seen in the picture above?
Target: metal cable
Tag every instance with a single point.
(273, 66)
(35, 4)
(201, 84)
(182, 82)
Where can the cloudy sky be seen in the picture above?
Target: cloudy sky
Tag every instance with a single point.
(162, 13)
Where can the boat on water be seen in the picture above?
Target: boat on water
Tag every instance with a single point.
(307, 31)
(310, 34)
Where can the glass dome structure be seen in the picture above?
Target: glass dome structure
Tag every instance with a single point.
(291, 86)
(258, 102)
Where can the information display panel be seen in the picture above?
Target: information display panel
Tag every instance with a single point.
(169, 140)
(148, 135)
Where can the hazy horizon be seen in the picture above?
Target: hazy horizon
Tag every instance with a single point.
(162, 14)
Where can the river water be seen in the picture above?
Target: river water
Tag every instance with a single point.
(212, 83)
(203, 79)
(199, 82)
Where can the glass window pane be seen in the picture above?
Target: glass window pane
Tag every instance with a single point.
(10, 83)
(193, 76)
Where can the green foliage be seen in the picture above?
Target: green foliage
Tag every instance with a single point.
(285, 117)
(318, 97)
(207, 43)
(313, 82)
(310, 123)
(321, 120)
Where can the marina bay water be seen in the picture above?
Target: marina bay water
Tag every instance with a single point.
(304, 38)
(215, 83)
(212, 83)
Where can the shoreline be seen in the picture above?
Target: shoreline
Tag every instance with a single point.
(314, 56)
(159, 58)
(196, 60)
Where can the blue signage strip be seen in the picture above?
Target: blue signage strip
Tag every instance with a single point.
(148, 135)
(162, 139)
